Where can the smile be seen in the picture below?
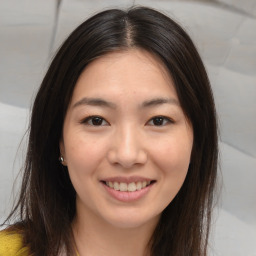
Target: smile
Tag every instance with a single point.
(128, 187)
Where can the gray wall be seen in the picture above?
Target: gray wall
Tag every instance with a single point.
(225, 33)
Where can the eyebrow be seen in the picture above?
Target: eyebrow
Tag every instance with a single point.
(160, 101)
(94, 102)
(108, 104)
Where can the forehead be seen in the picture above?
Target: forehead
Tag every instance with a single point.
(124, 73)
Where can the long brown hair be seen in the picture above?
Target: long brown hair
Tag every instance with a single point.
(46, 205)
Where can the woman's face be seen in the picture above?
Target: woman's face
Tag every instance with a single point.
(126, 141)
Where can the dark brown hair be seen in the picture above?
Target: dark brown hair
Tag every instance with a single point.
(46, 205)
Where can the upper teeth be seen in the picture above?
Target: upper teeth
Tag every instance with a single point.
(124, 187)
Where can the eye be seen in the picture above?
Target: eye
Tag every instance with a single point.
(159, 121)
(95, 121)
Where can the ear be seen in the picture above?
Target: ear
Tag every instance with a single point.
(62, 152)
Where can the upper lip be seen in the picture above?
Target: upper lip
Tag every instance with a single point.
(126, 179)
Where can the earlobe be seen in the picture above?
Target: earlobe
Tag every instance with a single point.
(61, 159)
(62, 156)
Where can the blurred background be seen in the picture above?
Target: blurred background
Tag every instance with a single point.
(224, 32)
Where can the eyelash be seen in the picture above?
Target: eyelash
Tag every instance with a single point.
(164, 119)
(90, 119)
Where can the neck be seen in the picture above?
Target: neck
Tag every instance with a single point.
(94, 236)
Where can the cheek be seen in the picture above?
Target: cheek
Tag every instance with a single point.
(84, 154)
(173, 153)
(84, 158)
(172, 158)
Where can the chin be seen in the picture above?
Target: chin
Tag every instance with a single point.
(129, 220)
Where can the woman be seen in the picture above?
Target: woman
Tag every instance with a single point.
(122, 153)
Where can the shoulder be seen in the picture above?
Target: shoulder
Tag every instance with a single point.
(11, 244)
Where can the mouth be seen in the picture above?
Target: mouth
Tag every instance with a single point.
(128, 187)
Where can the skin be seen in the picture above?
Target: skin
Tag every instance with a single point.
(128, 141)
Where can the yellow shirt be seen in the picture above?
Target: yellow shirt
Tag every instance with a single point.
(11, 244)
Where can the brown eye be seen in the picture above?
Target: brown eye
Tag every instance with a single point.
(159, 121)
(95, 121)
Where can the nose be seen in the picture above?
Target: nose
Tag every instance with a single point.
(127, 148)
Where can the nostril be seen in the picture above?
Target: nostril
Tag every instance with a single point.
(127, 158)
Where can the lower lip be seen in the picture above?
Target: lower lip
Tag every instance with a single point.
(128, 196)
